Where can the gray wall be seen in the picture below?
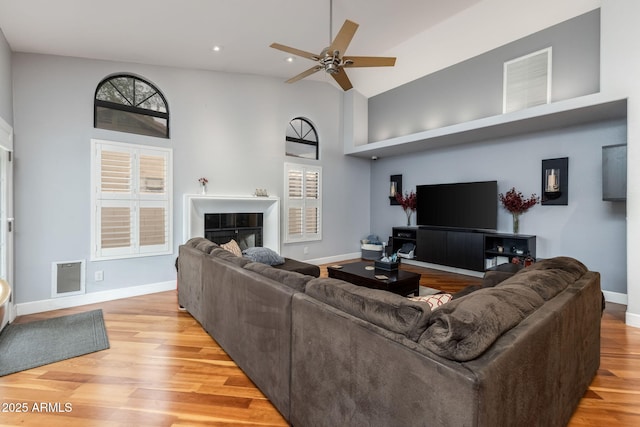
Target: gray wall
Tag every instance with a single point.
(6, 92)
(473, 89)
(227, 127)
(587, 228)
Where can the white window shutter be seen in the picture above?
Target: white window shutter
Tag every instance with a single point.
(303, 203)
(132, 200)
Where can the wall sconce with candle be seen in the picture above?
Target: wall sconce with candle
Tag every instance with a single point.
(555, 181)
(395, 187)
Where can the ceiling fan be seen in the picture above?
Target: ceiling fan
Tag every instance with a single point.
(332, 59)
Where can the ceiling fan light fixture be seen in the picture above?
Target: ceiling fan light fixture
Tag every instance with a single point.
(331, 60)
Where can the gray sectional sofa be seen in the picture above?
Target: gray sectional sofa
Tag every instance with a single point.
(328, 353)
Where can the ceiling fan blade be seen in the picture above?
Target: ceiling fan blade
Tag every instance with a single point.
(295, 51)
(344, 36)
(304, 74)
(342, 79)
(368, 61)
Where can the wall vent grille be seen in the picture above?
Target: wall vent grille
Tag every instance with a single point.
(527, 81)
(68, 278)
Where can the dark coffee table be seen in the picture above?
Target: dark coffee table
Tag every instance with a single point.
(399, 281)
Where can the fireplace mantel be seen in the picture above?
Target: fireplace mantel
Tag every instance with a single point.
(196, 205)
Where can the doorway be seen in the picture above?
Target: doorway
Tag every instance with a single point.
(6, 216)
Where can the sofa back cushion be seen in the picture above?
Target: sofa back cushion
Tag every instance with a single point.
(384, 309)
(549, 277)
(465, 328)
(291, 279)
(228, 256)
(201, 244)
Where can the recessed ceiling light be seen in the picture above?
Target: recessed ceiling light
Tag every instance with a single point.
(289, 59)
(216, 48)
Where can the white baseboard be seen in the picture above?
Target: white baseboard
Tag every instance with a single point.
(93, 298)
(615, 297)
(632, 319)
(334, 259)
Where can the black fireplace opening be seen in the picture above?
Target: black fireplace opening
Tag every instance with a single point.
(244, 228)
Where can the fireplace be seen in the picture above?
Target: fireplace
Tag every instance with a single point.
(244, 228)
(196, 206)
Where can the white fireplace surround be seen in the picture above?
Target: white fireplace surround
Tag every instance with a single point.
(196, 205)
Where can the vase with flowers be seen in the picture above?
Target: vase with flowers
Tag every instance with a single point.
(516, 204)
(203, 185)
(408, 201)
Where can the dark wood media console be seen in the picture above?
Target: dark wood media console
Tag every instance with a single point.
(466, 249)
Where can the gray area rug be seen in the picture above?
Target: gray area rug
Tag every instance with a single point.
(29, 345)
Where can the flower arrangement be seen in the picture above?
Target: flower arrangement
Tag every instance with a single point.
(203, 184)
(516, 204)
(514, 201)
(408, 202)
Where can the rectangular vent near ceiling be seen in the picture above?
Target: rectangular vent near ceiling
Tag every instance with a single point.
(68, 278)
(527, 81)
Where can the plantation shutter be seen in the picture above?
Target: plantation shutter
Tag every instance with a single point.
(153, 215)
(302, 203)
(132, 203)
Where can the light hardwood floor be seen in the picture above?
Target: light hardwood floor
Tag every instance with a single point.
(163, 370)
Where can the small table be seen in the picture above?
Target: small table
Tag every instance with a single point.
(399, 281)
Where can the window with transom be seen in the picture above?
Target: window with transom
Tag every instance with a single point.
(127, 103)
(301, 139)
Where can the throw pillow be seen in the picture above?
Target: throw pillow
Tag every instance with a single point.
(232, 246)
(263, 255)
(434, 301)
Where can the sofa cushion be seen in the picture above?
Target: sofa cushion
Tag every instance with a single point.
(206, 246)
(385, 309)
(228, 256)
(572, 266)
(490, 279)
(549, 277)
(201, 244)
(232, 246)
(291, 279)
(299, 267)
(263, 255)
(434, 301)
(465, 328)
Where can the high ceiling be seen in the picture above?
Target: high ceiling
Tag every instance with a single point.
(425, 35)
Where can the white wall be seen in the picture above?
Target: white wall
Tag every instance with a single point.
(620, 68)
(6, 92)
(588, 228)
(227, 127)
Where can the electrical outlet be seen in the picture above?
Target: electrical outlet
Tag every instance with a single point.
(99, 276)
(305, 250)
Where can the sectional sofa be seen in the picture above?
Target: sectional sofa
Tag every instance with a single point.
(327, 353)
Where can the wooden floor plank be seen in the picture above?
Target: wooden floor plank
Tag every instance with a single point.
(163, 370)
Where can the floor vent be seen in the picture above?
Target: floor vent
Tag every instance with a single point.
(68, 278)
(527, 81)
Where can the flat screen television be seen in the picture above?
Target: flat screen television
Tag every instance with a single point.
(468, 205)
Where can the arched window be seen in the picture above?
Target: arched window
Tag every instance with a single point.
(301, 139)
(130, 104)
